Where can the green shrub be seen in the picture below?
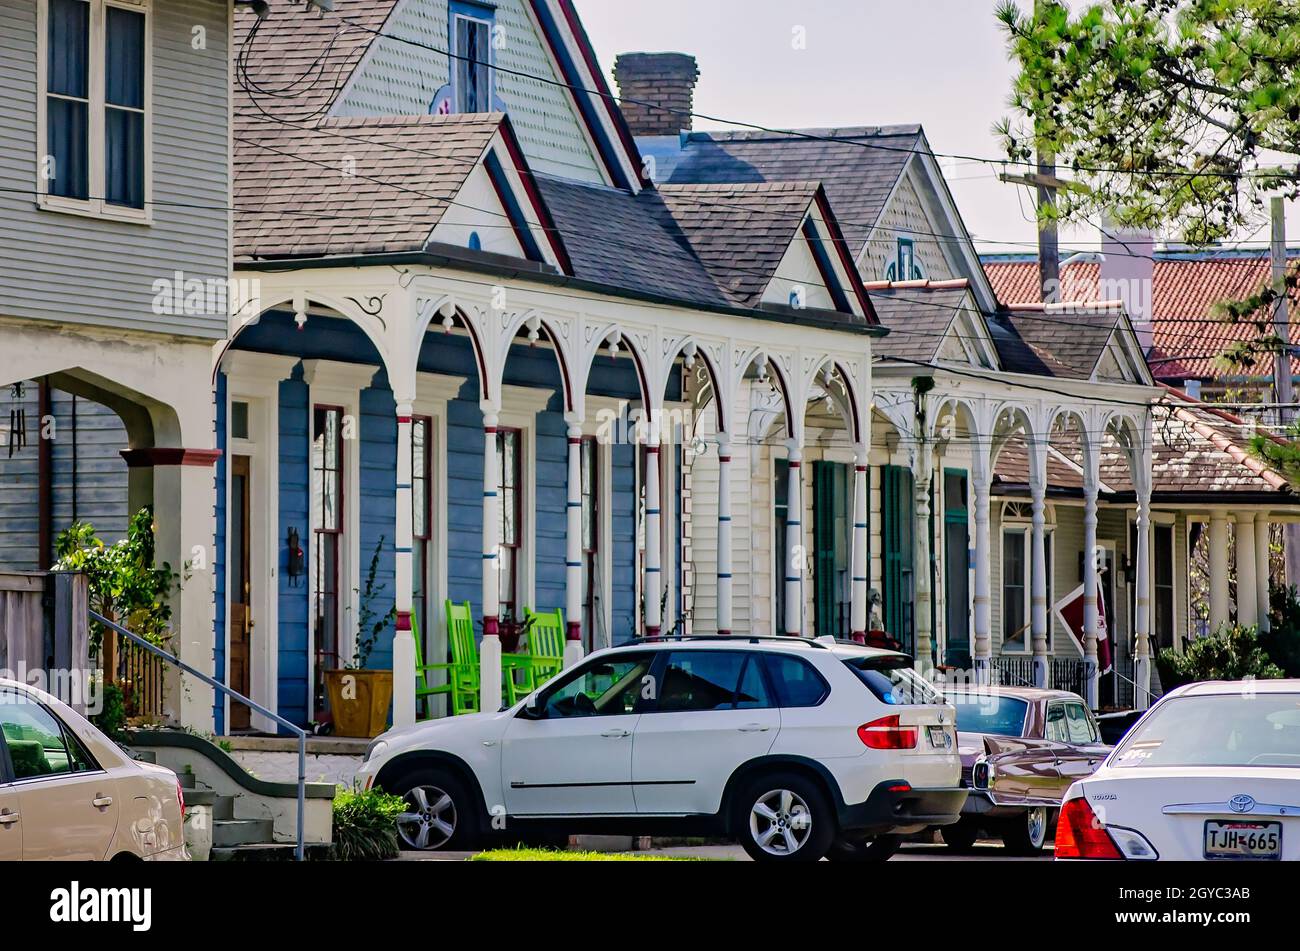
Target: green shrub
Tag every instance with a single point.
(365, 825)
(1231, 653)
(111, 719)
(1282, 640)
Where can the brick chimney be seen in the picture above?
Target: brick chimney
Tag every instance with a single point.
(666, 79)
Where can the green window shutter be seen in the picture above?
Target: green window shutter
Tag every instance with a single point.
(832, 528)
(897, 526)
(956, 569)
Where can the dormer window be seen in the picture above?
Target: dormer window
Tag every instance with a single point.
(904, 267)
(471, 70)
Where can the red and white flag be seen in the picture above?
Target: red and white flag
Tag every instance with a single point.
(1070, 612)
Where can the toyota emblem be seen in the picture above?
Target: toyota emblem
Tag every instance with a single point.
(1242, 803)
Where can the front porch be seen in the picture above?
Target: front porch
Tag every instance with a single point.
(430, 438)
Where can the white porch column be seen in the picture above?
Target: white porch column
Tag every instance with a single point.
(403, 639)
(1090, 589)
(573, 550)
(724, 535)
(1218, 570)
(489, 652)
(1263, 566)
(859, 566)
(980, 482)
(1038, 580)
(921, 481)
(653, 585)
(1142, 612)
(1247, 586)
(794, 552)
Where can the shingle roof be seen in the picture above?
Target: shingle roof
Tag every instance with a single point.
(740, 232)
(627, 241)
(858, 167)
(300, 59)
(1187, 336)
(918, 315)
(1065, 342)
(296, 198)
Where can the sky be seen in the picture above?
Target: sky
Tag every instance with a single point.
(941, 63)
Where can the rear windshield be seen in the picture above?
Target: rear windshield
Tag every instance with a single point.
(989, 713)
(893, 680)
(1220, 730)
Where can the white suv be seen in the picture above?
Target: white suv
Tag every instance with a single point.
(799, 748)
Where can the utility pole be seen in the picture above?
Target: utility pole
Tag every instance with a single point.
(1283, 391)
(1049, 249)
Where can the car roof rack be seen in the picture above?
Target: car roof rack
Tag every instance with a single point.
(734, 639)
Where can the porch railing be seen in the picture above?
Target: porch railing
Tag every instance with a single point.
(1062, 673)
(164, 657)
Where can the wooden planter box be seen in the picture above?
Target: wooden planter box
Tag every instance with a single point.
(359, 701)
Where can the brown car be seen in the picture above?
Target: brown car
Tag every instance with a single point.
(69, 792)
(1021, 748)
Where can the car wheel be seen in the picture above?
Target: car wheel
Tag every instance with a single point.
(874, 848)
(785, 817)
(1026, 833)
(439, 814)
(960, 836)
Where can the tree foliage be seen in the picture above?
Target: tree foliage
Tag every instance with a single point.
(1175, 114)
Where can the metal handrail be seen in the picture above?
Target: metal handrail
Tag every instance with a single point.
(299, 852)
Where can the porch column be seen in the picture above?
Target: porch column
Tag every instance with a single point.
(1038, 579)
(983, 580)
(724, 535)
(489, 653)
(859, 567)
(1263, 566)
(1247, 587)
(921, 482)
(794, 543)
(653, 511)
(1090, 589)
(1142, 612)
(403, 639)
(573, 552)
(1218, 570)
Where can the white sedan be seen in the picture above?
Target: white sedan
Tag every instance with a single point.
(1212, 771)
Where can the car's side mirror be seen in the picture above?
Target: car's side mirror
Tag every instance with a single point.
(533, 708)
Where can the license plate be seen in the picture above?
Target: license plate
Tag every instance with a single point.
(1243, 840)
(940, 737)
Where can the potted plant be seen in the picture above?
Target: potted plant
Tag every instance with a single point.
(359, 697)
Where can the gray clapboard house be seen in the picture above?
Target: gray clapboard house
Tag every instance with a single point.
(115, 264)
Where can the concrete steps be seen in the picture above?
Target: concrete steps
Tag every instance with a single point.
(231, 832)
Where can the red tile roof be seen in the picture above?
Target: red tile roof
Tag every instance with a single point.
(1187, 336)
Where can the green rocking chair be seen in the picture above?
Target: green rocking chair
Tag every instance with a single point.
(546, 637)
(462, 674)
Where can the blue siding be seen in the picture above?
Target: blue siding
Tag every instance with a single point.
(295, 460)
(378, 490)
(219, 560)
(623, 531)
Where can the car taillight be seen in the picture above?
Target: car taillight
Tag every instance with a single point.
(887, 734)
(1080, 834)
(180, 799)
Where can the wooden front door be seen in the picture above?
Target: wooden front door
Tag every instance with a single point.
(241, 615)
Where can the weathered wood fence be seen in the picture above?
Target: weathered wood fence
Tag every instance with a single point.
(44, 631)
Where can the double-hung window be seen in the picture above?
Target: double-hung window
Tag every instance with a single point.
(94, 120)
(509, 495)
(327, 520)
(421, 523)
(1017, 587)
(471, 67)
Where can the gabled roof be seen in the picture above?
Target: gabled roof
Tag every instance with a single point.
(295, 198)
(919, 314)
(740, 233)
(1187, 336)
(627, 241)
(858, 180)
(1067, 340)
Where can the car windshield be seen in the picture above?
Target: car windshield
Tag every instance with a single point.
(892, 679)
(992, 713)
(1243, 729)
